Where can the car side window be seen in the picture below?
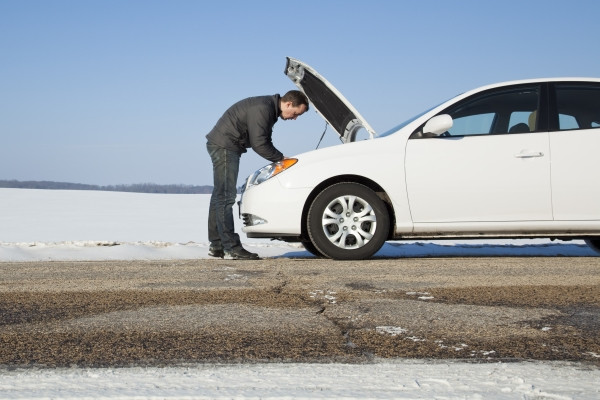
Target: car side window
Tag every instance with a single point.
(578, 106)
(521, 117)
(474, 124)
(567, 122)
(496, 111)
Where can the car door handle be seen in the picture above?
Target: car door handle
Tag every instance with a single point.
(529, 154)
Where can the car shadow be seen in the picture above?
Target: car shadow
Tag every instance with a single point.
(513, 248)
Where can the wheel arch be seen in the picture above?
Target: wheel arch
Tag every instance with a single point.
(350, 179)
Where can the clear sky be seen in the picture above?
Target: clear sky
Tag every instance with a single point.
(124, 91)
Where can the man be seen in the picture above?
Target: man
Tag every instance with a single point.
(246, 124)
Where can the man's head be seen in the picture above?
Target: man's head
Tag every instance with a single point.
(293, 104)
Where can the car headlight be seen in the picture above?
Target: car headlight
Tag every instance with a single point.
(269, 171)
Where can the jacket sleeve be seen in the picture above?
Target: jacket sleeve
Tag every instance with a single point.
(260, 131)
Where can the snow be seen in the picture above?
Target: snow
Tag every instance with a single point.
(38, 225)
(410, 379)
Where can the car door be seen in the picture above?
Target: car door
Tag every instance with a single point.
(575, 142)
(493, 165)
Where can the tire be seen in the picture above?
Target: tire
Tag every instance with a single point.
(348, 221)
(310, 247)
(594, 244)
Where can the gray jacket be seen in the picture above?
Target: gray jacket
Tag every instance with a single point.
(249, 123)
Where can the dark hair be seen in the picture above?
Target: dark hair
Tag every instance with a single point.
(296, 97)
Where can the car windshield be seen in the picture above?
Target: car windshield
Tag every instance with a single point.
(402, 125)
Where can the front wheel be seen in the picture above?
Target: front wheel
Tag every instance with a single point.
(348, 221)
(310, 247)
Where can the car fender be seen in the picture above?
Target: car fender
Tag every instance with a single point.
(356, 159)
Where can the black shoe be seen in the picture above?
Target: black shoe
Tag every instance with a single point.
(239, 253)
(214, 252)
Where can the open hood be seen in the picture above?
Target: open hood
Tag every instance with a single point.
(330, 103)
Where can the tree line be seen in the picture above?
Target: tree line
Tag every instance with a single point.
(135, 188)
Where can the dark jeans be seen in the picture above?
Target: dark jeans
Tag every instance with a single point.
(226, 165)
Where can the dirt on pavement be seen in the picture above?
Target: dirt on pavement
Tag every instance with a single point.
(122, 313)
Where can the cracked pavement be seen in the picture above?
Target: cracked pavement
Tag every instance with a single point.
(123, 313)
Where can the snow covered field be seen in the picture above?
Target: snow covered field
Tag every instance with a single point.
(40, 225)
(91, 225)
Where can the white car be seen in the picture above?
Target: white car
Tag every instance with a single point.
(512, 160)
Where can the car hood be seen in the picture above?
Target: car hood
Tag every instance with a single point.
(330, 103)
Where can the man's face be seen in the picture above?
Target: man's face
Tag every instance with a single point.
(288, 111)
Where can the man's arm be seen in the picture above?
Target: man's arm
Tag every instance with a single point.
(260, 131)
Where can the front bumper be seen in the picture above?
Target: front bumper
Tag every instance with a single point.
(270, 210)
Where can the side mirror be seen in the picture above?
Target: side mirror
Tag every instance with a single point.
(438, 124)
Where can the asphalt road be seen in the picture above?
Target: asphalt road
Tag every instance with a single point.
(122, 313)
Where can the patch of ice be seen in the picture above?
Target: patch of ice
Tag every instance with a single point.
(390, 330)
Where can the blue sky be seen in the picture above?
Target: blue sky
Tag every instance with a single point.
(118, 92)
